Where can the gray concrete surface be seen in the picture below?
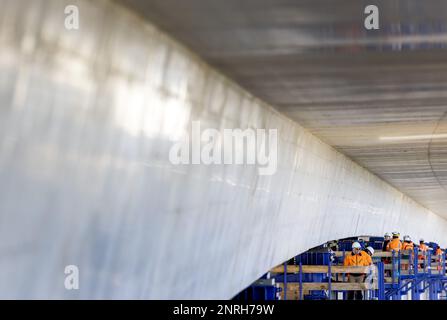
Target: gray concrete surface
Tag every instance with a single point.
(315, 62)
(87, 119)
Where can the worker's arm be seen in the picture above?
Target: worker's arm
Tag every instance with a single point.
(346, 261)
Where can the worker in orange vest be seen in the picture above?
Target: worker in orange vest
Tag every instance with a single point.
(395, 244)
(357, 258)
(408, 245)
(423, 248)
(439, 255)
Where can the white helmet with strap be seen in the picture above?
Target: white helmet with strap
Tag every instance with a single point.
(371, 250)
(356, 245)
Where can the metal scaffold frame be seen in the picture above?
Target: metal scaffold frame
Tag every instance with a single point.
(317, 275)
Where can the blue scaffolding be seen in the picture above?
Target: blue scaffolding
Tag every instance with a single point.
(411, 274)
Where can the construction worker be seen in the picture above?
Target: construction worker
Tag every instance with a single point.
(408, 245)
(357, 258)
(439, 255)
(423, 248)
(333, 245)
(395, 244)
(369, 252)
(387, 239)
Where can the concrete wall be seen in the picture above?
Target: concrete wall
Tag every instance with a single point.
(87, 119)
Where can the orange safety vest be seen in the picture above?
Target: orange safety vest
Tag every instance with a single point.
(367, 257)
(439, 252)
(408, 246)
(423, 249)
(394, 245)
(356, 260)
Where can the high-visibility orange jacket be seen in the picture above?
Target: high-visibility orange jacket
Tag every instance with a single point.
(367, 257)
(408, 246)
(356, 260)
(423, 248)
(439, 254)
(394, 245)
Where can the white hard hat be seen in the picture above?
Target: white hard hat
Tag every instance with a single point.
(371, 250)
(396, 234)
(356, 245)
(387, 235)
(407, 238)
(421, 240)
